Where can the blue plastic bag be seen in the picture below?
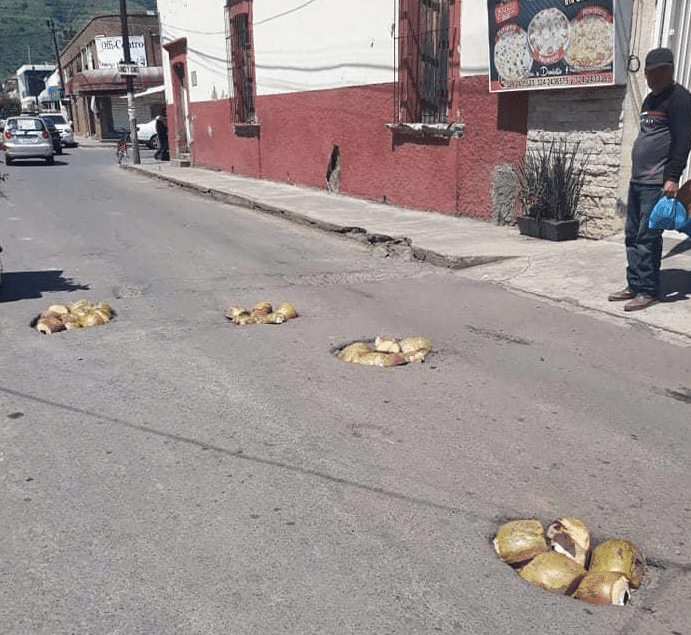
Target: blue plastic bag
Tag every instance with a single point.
(669, 213)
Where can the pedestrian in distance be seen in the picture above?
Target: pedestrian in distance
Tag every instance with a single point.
(659, 156)
(162, 153)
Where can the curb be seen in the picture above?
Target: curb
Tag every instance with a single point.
(401, 246)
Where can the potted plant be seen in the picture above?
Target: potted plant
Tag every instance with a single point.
(550, 181)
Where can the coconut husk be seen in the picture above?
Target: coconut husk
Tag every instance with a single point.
(50, 324)
(234, 311)
(245, 318)
(90, 318)
(604, 587)
(519, 541)
(71, 322)
(410, 345)
(554, 572)
(57, 309)
(80, 306)
(620, 556)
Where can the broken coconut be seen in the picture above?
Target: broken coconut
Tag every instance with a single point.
(519, 541)
(554, 572)
(571, 537)
(604, 587)
(620, 556)
(386, 344)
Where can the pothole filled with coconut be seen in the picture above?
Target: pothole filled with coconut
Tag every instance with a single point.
(262, 312)
(77, 315)
(386, 351)
(560, 560)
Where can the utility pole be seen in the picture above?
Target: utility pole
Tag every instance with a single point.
(131, 110)
(51, 26)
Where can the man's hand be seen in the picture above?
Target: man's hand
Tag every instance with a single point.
(670, 188)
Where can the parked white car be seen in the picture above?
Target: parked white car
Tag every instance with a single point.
(146, 133)
(64, 127)
(27, 137)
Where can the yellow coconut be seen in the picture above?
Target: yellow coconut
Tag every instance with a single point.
(604, 587)
(287, 309)
(379, 358)
(90, 318)
(518, 541)
(621, 556)
(414, 344)
(554, 572)
(570, 536)
(353, 351)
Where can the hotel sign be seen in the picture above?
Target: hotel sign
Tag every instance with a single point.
(537, 44)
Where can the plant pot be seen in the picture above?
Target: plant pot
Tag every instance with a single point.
(548, 229)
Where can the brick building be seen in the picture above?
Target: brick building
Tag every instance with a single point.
(96, 90)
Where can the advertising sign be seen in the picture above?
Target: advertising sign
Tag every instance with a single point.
(551, 43)
(110, 52)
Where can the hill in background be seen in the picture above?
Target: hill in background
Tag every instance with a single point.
(25, 38)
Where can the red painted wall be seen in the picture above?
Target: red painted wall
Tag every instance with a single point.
(299, 131)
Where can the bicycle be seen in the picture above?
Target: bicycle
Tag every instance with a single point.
(121, 150)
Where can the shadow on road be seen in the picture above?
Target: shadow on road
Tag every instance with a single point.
(675, 285)
(23, 285)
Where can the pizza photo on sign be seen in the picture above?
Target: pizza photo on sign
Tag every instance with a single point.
(512, 57)
(548, 35)
(592, 42)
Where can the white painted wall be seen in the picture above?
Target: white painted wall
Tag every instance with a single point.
(299, 45)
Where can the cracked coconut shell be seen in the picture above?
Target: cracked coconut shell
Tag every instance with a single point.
(620, 556)
(570, 536)
(518, 541)
(50, 324)
(554, 572)
(378, 358)
(386, 344)
(261, 308)
(604, 587)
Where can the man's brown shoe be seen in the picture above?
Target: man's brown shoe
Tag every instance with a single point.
(624, 294)
(641, 301)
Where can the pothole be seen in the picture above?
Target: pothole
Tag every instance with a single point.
(385, 351)
(77, 315)
(561, 560)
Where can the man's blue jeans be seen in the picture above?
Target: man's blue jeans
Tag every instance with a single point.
(643, 248)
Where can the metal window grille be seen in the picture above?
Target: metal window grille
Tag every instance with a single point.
(423, 76)
(241, 67)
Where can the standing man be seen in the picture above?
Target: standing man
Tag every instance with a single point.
(162, 133)
(658, 159)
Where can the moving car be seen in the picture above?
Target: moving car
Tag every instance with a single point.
(55, 134)
(146, 133)
(63, 126)
(26, 137)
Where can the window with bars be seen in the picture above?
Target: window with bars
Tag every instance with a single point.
(424, 50)
(240, 52)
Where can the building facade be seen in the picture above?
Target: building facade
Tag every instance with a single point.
(392, 101)
(94, 86)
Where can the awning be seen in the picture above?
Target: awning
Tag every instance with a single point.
(148, 91)
(109, 80)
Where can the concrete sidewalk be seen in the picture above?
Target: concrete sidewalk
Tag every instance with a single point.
(579, 274)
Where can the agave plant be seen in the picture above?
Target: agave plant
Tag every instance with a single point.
(550, 180)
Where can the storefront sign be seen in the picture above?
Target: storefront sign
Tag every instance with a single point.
(537, 44)
(110, 52)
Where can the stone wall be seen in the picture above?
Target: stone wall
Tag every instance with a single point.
(594, 117)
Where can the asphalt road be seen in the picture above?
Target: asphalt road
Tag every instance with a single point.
(172, 473)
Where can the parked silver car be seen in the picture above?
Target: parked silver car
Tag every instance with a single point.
(27, 137)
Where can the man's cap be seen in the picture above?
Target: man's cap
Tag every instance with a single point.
(659, 57)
